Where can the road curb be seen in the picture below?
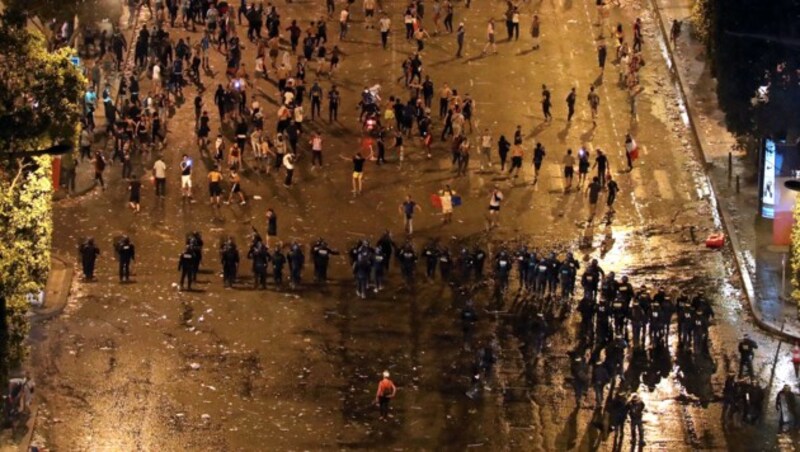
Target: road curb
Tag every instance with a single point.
(61, 293)
(727, 222)
(126, 72)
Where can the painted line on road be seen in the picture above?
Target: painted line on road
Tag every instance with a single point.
(664, 187)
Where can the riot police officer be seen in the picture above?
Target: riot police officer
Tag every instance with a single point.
(747, 349)
(186, 265)
(378, 268)
(361, 270)
(553, 265)
(230, 262)
(532, 261)
(602, 314)
(195, 241)
(431, 255)
(296, 260)
(586, 308)
(608, 288)
(465, 265)
(127, 254)
(278, 261)
(502, 268)
(656, 326)
(700, 324)
(638, 317)
(387, 246)
(521, 256)
(580, 378)
(619, 310)
(625, 290)
(590, 279)
(468, 319)
(321, 253)
(478, 259)
(408, 262)
(664, 301)
(445, 264)
(541, 277)
(567, 272)
(684, 309)
(260, 256)
(88, 252)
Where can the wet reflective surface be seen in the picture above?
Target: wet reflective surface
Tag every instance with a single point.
(141, 366)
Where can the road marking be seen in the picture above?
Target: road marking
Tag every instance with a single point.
(664, 187)
(638, 185)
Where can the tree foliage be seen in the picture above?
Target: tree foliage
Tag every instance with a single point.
(795, 255)
(40, 91)
(40, 105)
(746, 43)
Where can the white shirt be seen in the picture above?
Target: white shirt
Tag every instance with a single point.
(386, 24)
(497, 196)
(160, 169)
(156, 72)
(316, 144)
(343, 16)
(288, 161)
(486, 141)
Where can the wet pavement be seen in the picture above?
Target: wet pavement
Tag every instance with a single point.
(141, 366)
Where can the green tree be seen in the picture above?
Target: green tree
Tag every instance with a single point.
(40, 106)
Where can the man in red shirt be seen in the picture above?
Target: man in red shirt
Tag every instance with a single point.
(386, 392)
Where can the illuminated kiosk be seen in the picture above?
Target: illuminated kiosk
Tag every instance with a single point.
(779, 163)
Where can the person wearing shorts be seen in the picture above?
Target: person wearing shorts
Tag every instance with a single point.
(407, 208)
(516, 159)
(494, 205)
(236, 188)
(214, 189)
(316, 150)
(358, 173)
(186, 176)
(569, 169)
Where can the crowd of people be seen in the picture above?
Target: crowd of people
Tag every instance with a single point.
(616, 318)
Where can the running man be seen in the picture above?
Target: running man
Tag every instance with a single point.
(407, 208)
(186, 177)
(569, 169)
(494, 206)
(594, 103)
(214, 190)
(386, 392)
(489, 38)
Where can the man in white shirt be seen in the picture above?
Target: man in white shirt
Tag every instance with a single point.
(316, 150)
(369, 12)
(288, 163)
(344, 16)
(486, 149)
(160, 176)
(186, 176)
(494, 206)
(385, 25)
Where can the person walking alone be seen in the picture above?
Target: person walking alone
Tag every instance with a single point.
(796, 359)
(386, 392)
(489, 39)
(594, 104)
(571, 97)
(407, 208)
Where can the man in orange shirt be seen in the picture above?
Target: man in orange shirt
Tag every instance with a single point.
(386, 392)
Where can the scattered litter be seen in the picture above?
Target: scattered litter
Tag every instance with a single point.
(195, 366)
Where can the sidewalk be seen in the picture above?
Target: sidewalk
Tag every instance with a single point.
(759, 263)
(84, 171)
